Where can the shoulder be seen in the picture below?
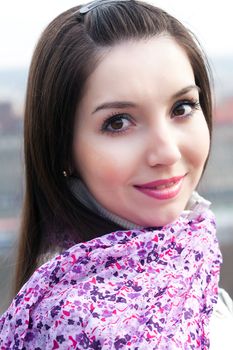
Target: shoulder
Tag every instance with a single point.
(221, 325)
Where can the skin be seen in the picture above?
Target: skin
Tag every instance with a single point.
(157, 135)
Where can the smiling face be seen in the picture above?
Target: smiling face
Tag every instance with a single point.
(141, 139)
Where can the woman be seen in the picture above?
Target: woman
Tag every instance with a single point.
(118, 96)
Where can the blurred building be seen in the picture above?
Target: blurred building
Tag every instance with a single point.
(10, 122)
(224, 112)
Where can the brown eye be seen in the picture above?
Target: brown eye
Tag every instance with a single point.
(182, 110)
(117, 124)
(185, 109)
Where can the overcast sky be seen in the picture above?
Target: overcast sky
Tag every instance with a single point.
(21, 23)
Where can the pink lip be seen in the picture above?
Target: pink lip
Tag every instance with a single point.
(171, 189)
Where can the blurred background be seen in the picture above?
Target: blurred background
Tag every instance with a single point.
(20, 26)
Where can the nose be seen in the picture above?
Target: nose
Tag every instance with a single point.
(164, 146)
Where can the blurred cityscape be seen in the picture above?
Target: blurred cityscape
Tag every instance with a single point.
(217, 184)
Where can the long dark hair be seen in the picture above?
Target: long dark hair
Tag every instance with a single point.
(68, 51)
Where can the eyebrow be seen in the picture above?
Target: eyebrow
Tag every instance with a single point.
(128, 104)
(186, 90)
(115, 104)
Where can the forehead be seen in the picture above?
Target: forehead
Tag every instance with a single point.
(131, 66)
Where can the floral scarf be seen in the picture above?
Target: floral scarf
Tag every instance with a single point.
(133, 289)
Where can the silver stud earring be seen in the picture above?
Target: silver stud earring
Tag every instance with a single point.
(65, 173)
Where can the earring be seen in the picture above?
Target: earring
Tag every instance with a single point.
(68, 172)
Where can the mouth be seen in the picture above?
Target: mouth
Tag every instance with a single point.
(162, 189)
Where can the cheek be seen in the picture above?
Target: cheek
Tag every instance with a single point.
(199, 144)
(100, 162)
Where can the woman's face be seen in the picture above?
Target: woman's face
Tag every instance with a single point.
(141, 139)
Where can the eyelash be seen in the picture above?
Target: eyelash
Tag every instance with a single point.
(194, 104)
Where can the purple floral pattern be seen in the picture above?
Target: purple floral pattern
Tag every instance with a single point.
(135, 289)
